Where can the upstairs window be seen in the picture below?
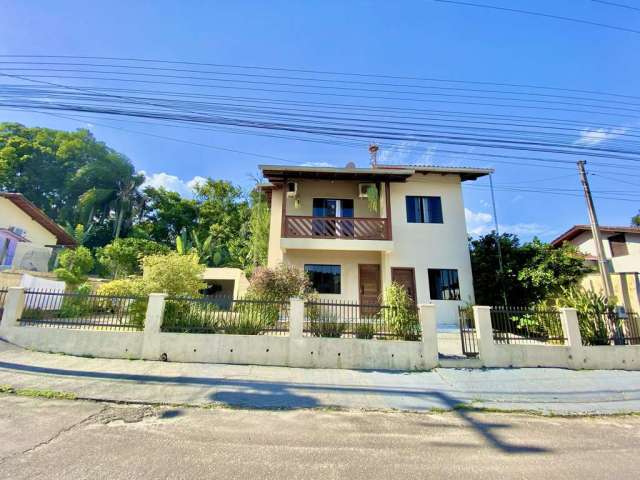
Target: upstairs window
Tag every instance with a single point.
(443, 284)
(324, 278)
(424, 210)
(618, 244)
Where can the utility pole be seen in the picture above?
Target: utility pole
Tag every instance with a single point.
(495, 219)
(603, 266)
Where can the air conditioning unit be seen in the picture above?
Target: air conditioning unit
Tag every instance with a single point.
(18, 231)
(363, 188)
(292, 189)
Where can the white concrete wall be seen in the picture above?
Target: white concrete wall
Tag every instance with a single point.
(293, 350)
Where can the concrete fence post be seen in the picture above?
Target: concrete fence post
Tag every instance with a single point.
(484, 331)
(429, 327)
(296, 317)
(571, 330)
(13, 307)
(152, 324)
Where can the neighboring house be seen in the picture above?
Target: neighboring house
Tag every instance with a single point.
(27, 235)
(622, 251)
(355, 230)
(226, 282)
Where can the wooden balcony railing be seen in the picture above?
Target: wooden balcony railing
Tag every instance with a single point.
(336, 227)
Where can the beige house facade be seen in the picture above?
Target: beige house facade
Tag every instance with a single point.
(27, 235)
(355, 230)
(622, 251)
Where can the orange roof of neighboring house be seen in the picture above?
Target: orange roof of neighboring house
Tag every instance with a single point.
(576, 230)
(40, 217)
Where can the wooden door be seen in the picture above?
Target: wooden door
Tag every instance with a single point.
(369, 284)
(407, 278)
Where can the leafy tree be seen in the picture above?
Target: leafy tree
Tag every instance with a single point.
(259, 223)
(635, 220)
(533, 271)
(122, 257)
(70, 175)
(165, 215)
(75, 265)
(224, 214)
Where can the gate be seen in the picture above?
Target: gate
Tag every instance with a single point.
(468, 336)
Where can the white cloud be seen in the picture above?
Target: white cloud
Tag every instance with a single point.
(481, 223)
(172, 183)
(396, 155)
(595, 136)
(317, 164)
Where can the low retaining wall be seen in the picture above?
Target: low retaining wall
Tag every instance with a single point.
(293, 350)
(573, 355)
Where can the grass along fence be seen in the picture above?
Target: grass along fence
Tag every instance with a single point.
(60, 309)
(611, 328)
(367, 322)
(226, 315)
(524, 325)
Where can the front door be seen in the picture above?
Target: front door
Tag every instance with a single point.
(407, 278)
(369, 279)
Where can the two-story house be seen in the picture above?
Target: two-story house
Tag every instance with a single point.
(355, 230)
(622, 251)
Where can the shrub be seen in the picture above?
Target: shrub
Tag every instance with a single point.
(365, 331)
(281, 283)
(594, 311)
(122, 257)
(173, 274)
(183, 316)
(78, 304)
(130, 287)
(324, 324)
(400, 313)
(74, 266)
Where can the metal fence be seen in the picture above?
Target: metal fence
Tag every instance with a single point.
(47, 308)
(468, 334)
(223, 314)
(516, 325)
(611, 328)
(351, 320)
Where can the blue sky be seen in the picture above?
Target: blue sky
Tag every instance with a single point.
(405, 38)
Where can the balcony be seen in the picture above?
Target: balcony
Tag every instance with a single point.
(336, 228)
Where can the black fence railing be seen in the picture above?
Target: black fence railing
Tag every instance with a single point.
(514, 325)
(226, 315)
(468, 334)
(335, 319)
(611, 328)
(46, 308)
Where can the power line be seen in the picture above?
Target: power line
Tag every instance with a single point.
(614, 4)
(322, 72)
(540, 14)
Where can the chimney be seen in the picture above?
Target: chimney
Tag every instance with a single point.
(373, 151)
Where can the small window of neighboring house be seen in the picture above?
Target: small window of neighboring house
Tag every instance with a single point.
(324, 278)
(443, 284)
(618, 245)
(424, 210)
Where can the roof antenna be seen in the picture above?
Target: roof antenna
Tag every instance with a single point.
(373, 151)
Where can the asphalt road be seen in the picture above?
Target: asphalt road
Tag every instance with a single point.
(74, 439)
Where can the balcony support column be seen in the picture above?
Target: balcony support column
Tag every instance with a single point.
(283, 226)
(387, 199)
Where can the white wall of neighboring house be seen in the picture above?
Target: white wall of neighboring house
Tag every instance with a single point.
(620, 264)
